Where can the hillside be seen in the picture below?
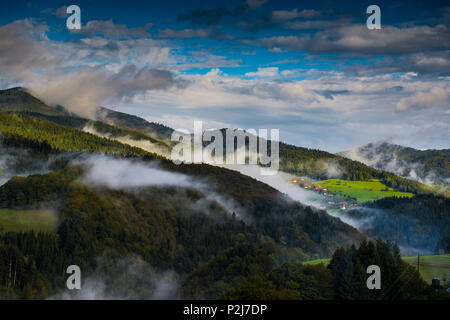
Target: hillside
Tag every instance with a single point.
(20, 100)
(295, 160)
(428, 166)
(176, 228)
(419, 223)
(124, 120)
(188, 220)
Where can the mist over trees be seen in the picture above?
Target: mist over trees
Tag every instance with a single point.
(211, 250)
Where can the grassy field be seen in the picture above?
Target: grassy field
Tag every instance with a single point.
(430, 266)
(361, 190)
(313, 262)
(26, 220)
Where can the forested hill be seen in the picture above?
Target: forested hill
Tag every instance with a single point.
(299, 161)
(421, 222)
(20, 100)
(324, 165)
(214, 239)
(176, 228)
(124, 120)
(429, 166)
(25, 131)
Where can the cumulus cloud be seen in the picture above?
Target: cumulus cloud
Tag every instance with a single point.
(264, 72)
(71, 74)
(331, 111)
(436, 97)
(357, 39)
(324, 108)
(21, 50)
(83, 91)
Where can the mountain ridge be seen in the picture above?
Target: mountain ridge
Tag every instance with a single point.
(431, 166)
(316, 164)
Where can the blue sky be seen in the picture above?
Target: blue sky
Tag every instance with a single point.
(311, 69)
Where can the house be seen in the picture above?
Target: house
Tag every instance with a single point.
(317, 187)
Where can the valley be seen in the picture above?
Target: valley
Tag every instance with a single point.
(212, 227)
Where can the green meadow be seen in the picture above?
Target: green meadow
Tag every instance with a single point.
(26, 220)
(318, 261)
(430, 266)
(361, 190)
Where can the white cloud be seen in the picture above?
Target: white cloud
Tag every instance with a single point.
(329, 108)
(436, 97)
(264, 72)
(357, 39)
(84, 90)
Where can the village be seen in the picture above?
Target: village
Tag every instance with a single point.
(332, 200)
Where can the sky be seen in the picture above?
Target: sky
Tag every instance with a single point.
(311, 69)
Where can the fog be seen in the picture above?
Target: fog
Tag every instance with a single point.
(23, 162)
(411, 235)
(280, 181)
(159, 149)
(128, 278)
(83, 90)
(389, 160)
(124, 174)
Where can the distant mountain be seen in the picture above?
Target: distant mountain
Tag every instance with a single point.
(426, 166)
(124, 120)
(205, 211)
(114, 125)
(112, 202)
(20, 100)
(154, 137)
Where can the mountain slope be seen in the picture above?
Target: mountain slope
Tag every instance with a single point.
(182, 228)
(420, 223)
(295, 160)
(20, 100)
(427, 166)
(124, 120)
(169, 228)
